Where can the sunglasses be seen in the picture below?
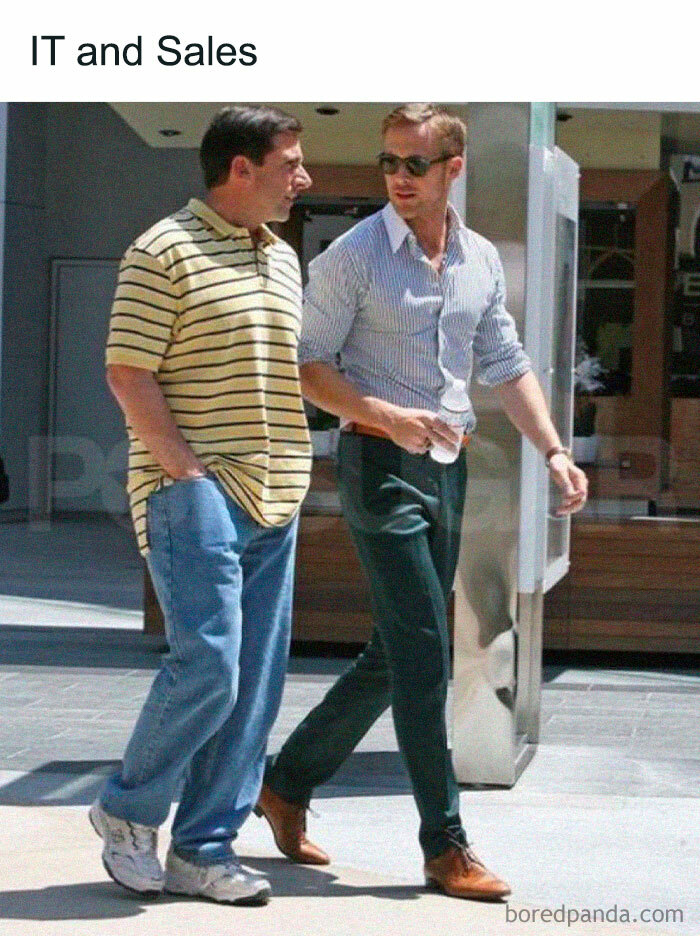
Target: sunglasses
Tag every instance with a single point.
(416, 165)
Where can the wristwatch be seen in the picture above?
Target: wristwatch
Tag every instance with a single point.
(557, 450)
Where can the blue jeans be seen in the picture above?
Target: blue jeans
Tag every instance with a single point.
(225, 585)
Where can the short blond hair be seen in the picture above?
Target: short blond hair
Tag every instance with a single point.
(450, 130)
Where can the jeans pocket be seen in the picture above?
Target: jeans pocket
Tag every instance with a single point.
(176, 482)
(151, 522)
(196, 514)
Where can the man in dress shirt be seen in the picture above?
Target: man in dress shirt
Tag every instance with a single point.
(406, 299)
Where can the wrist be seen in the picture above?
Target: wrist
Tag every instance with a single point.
(382, 415)
(557, 450)
(187, 474)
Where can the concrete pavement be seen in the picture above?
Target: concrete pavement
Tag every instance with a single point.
(57, 888)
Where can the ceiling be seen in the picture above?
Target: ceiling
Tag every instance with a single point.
(595, 134)
(352, 136)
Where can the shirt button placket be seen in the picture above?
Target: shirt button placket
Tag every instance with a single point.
(441, 278)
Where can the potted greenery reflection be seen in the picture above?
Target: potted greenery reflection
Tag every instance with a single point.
(587, 383)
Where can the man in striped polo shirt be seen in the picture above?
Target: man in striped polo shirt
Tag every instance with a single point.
(407, 298)
(202, 358)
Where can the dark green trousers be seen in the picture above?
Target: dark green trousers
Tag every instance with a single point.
(405, 514)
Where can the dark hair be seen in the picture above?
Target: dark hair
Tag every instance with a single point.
(241, 131)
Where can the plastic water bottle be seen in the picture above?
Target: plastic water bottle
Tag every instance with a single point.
(453, 411)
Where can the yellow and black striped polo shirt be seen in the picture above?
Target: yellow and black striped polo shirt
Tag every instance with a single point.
(216, 317)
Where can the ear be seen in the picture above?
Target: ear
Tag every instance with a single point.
(240, 168)
(454, 167)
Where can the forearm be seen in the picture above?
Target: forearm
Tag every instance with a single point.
(524, 404)
(148, 414)
(415, 430)
(326, 388)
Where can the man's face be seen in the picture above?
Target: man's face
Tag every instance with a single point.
(281, 177)
(419, 197)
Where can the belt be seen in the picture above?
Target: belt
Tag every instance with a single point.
(361, 429)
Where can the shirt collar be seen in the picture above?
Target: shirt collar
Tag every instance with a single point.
(457, 231)
(397, 229)
(215, 221)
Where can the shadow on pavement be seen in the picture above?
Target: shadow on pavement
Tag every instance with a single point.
(58, 783)
(292, 880)
(101, 648)
(88, 901)
(106, 900)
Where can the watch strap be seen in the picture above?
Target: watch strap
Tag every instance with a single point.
(557, 450)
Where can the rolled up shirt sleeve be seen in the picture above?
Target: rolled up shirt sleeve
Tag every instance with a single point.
(497, 348)
(331, 300)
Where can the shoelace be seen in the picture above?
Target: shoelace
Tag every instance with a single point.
(231, 869)
(301, 816)
(142, 838)
(464, 849)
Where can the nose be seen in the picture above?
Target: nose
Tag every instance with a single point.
(303, 179)
(402, 173)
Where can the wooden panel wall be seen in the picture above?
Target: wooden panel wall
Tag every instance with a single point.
(684, 473)
(331, 600)
(346, 181)
(633, 585)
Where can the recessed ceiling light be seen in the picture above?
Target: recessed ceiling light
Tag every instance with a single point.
(327, 111)
(170, 133)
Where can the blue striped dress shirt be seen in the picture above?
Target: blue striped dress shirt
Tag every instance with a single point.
(404, 332)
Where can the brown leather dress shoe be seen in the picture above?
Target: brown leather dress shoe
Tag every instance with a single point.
(288, 823)
(458, 872)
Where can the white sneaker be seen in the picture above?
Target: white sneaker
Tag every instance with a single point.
(228, 882)
(129, 854)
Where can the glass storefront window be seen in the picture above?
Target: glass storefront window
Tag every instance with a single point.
(606, 292)
(632, 471)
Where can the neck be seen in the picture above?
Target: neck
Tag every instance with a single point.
(233, 211)
(431, 231)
